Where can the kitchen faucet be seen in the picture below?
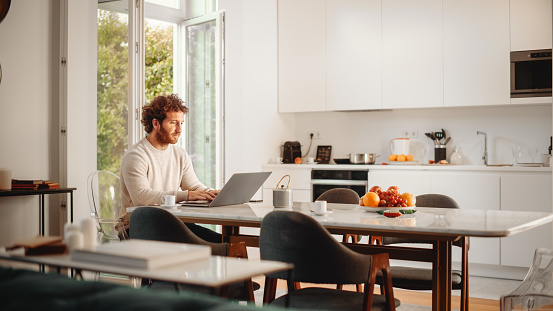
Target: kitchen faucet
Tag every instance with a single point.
(485, 157)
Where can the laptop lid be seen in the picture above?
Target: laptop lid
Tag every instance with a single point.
(239, 189)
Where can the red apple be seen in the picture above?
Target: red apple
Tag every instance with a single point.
(376, 189)
(394, 189)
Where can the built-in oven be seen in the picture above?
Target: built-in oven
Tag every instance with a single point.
(531, 73)
(323, 180)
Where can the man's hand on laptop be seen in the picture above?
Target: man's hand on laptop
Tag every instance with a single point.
(201, 195)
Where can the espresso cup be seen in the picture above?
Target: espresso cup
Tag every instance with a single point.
(311, 160)
(320, 208)
(168, 200)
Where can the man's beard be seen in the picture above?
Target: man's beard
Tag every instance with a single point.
(165, 138)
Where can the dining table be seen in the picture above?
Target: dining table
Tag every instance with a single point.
(442, 226)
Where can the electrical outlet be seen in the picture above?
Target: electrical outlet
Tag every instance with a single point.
(316, 134)
(411, 134)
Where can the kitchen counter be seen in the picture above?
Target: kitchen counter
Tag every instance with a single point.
(426, 167)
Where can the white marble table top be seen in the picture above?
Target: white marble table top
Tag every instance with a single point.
(215, 272)
(426, 221)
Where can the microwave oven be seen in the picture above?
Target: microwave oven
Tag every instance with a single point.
(531, 73)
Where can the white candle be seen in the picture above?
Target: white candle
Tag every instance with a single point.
(5, 179)
(88, 227)
(75, 240)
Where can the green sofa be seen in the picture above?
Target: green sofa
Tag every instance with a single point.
(30, 290)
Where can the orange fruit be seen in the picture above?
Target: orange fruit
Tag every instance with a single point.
(409, 198)
(371, 199)
(409, 157)
(401, 157)
(392, 157)
(297, 160)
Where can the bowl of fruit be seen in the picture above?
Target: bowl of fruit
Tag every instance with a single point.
(378, 200)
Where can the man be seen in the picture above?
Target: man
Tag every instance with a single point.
(155, 167)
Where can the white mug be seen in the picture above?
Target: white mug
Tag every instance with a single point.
(278, 160)
(320, 208)
(168, 200)
(311, 160)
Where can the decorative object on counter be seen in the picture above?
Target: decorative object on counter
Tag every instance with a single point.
(311, 160)
(533, 153)
(456, 158)
(291, 151)
(323, 154)
(278, 160)
(517, 154)
(5, 179)
(282, 197)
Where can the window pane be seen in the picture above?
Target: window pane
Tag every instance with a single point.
(201, 98)
(112, 89)
(159, 58)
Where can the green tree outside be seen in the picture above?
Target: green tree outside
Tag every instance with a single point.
(113, 81)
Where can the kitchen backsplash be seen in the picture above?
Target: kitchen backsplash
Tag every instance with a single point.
(370, 131)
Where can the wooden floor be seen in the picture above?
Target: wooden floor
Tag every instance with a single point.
(414, 297)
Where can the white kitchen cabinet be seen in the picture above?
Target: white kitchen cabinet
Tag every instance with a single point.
(472, 190)
(530, 24)
(301, 56)
(526, 192)
(353, 55)
(476, 52)
(412, 54)
(300, 182)
(415, 182)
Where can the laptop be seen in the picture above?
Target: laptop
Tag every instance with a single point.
(239, 189)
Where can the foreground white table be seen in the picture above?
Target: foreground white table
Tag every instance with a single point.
(441, 225)
(213, 273)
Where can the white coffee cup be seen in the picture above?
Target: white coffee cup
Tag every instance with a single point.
(168, 200)
(278, 160)
(320, 208)
(399, 146)
(310, 160)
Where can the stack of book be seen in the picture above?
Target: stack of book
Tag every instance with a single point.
(30, 184)
(142, 254)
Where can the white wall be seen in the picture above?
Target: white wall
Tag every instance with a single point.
(254, 129)
(29, 100)
(370, 132)
(28, 94)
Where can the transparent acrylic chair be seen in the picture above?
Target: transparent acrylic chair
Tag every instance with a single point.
(536, 290)
(104, 196)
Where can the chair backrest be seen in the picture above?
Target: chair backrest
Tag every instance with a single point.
(104, 198)
(152, 223)
(426, 200)
(104, 194)
(536, 290)
(317, 257)
(339, 195)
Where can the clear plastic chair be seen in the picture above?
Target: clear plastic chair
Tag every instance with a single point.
(104, 197)
(536, 290)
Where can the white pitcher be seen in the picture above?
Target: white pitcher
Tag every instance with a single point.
(399, 146)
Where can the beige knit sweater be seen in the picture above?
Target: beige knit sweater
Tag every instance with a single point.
(147, 174)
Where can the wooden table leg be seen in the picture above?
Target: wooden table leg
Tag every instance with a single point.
(229, 231)
(441, 276)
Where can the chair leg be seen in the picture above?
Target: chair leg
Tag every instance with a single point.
(269, 292)
(464, 276)
(380, 262)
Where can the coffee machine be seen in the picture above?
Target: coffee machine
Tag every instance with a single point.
(291, 151)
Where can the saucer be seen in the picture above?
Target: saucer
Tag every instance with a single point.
(321, 214)
(170, 206)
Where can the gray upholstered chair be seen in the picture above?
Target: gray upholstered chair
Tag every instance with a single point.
(421, 278)
(318, 258)
(152, 223)
(343, 196)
